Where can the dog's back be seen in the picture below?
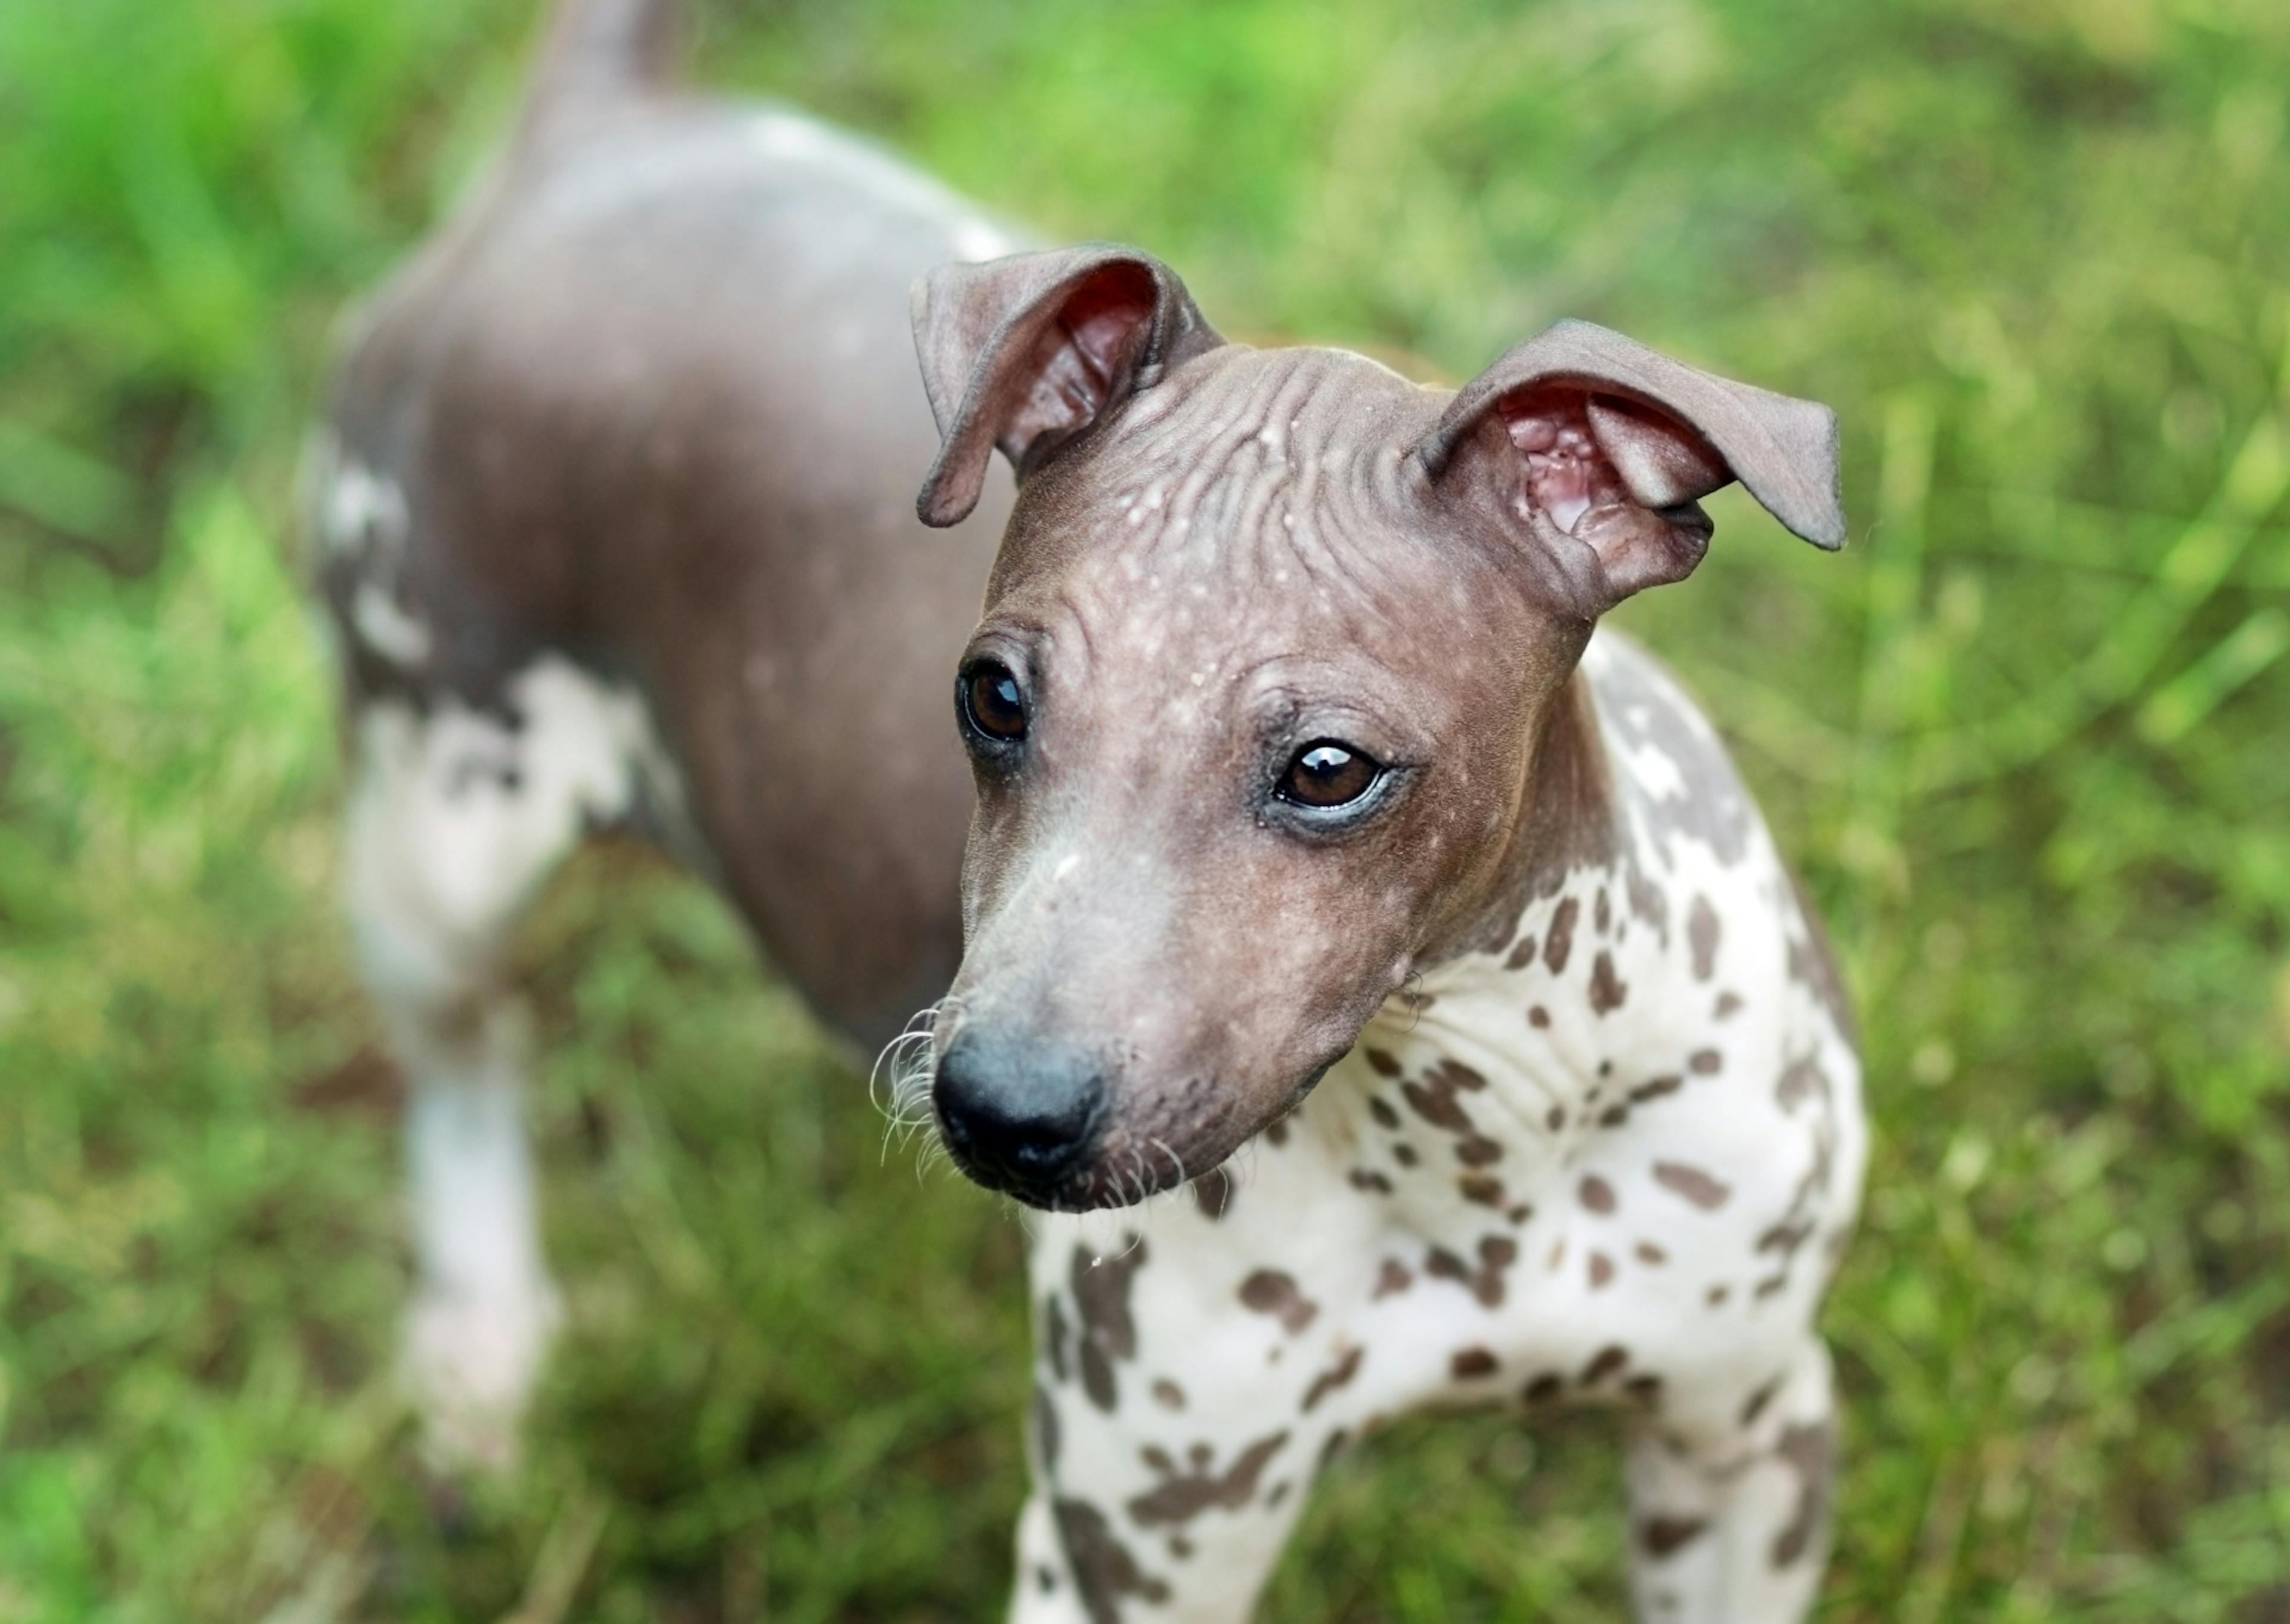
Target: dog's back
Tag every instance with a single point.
(645, 414)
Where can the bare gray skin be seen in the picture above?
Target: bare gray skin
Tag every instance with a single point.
(1220, 558)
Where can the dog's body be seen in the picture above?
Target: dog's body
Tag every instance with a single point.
(615, 518)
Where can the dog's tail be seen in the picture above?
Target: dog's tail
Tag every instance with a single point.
(599, 54)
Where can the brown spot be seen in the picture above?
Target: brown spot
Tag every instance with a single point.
(1521, 956)
(1702, 934)
(1168, 1394)
(1384, 1064)
(1654, 1088)
(1691, 1183)
(1648, 1252)
(1729, 1004)
(1809, 1450)
(1180, 1546)
(1103, 1569)
(1557, 1254)
(1338, 1441)
(1277, 1134)
(1520, 1213)
(1787, 1237)
(1602, 915)
(1497, 1253)
(1558, 945)
(1274, 1292)
(1213, 1194)
(1758, 1400)
(1482, 1190)
(1367, 1178)
(1555, 1118)
(1053, 1334)
(1814, 964)
(1469, 1364)
(1538, 1017)
(1801, 1080)
(1597, 1194)
(1705, 1062)
(1601, 1271)
(1404, 1155)
(1046, 1428)
(1644, 1389)
(1660, 1536)
(1478, 1151)
(1182, 1496)
(1279, 1493)
(1393, 1278)
(1613, 1116)
(1336, 1375)
(1607, 1361)
(1544, 1389)
(1649, 901)
(1381, 1109)
(1607, 989)
(1716, 1295)
(1434, 1099)
(1101, 1293)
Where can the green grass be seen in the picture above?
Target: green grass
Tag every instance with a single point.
(2031, 739)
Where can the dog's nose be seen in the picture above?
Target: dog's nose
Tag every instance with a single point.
(1017, 1119)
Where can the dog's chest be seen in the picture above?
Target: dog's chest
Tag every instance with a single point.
(1595, 1165)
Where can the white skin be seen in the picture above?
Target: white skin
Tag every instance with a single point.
(1677, 1174)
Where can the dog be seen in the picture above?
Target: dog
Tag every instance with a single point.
(1377, 977)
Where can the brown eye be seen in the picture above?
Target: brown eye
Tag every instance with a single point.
(1326, 774)
(992, 703)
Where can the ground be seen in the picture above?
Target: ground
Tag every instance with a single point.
(2026, 738)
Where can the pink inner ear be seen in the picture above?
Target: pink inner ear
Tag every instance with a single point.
(1078, 359)
(1585, 453)
(1567, 473)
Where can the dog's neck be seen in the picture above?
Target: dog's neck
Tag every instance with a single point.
(1484, 1063)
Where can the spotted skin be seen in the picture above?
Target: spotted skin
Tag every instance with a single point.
(1677, 1184)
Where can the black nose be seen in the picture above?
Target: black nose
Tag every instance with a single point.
(1017, 1118)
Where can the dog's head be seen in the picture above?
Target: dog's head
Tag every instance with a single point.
(1255, 704)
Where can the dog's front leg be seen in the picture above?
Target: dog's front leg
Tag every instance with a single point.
(1734, 1530)
(1194, 1368)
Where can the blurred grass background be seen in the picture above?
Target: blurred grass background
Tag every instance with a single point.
(2030, 740)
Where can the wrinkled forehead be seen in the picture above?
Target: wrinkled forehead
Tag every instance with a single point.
(1257, 502)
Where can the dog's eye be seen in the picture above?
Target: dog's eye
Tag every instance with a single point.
(1327, 773)
(992, 702)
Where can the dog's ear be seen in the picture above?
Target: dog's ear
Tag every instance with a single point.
(1602, 447)
(1025, 353)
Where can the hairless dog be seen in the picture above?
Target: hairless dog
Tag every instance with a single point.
(1308, 818)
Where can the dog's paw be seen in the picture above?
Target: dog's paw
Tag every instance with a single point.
(470, 1366)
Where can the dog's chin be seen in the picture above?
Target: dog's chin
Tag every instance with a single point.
(1106, 1182)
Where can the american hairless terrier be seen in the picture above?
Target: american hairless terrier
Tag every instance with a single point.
(1305, 812)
